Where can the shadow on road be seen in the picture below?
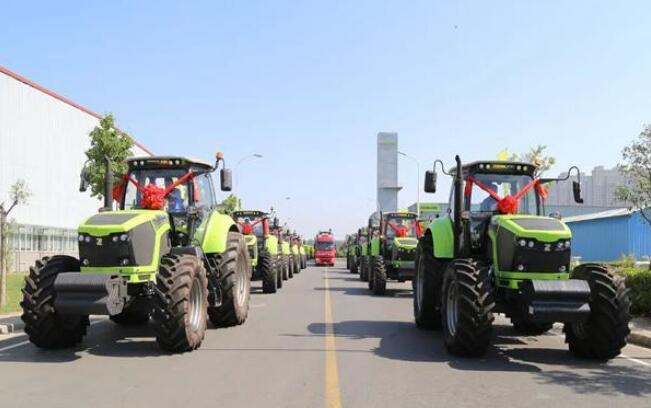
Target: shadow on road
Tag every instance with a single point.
(403, 341)
(103, 339)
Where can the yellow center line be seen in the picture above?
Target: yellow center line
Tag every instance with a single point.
(332, 393)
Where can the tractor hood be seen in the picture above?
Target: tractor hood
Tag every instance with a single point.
(405, 243)
(545, 229)
(107, 223)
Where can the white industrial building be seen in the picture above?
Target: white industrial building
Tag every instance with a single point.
(43, 137)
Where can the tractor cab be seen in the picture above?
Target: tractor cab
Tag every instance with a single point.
(179, 186)
(255, 228)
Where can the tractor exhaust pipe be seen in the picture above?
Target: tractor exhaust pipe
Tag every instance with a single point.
(458, 202)
(108, 185)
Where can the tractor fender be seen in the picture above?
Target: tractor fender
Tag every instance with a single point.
(214, 235)
(271, 244)
(442, 237)
(375, 247)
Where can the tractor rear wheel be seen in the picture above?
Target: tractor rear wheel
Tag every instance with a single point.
(290, 267)
(531, 328)
(44, 326)
(268, 272)
(278, 266)
(354, 266)
(235, 284)
(304, 259)
(363, 269)
(467, 308)
(370, 273)
(180, 305)
(427, 313)
(379, 276)
(603, 335)
(297, 264)
(347, 261)
(284, 267)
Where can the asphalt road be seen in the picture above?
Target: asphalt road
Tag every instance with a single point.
(322, 341)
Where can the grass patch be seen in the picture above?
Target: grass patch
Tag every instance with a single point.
(15, 283)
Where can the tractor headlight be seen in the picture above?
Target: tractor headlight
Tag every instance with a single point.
(81, 238)
(87, 238)
(522, 242)
(567, 244)
(124, 237)
(115, 238)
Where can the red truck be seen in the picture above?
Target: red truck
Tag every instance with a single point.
(325, 248)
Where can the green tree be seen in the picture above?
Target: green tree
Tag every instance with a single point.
(636, 166)
(230, 204)
(536, 155)
(107, 141)
(18, 194)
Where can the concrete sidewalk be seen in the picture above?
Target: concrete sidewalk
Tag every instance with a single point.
(10, 323)
(640, 332)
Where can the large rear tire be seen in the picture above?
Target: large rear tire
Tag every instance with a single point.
(354, 266)
(290, 268)
(285, 267)
(379, 276)
(297, 264)
(44, 326)
(268, 272)
(426, 284)
(603, 335)
(363, 269)
(467, 305)
(234, 265)
(278, 266)
(180, 303)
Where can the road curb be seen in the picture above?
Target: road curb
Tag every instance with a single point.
(6, 328)
(640, 339)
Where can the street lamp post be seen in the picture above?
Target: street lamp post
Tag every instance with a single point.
(417, 180)
(237, 173)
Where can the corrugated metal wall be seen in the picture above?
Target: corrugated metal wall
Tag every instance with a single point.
(42, 140)
(607, 239)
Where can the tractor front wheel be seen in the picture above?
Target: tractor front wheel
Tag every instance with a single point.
(45, 327)
(285, 267)
(235, 284)
(354, 266)
(379, 276)
(180, 304)
(268, 272)
(467, 308)
(297, 264)
(290, 266)
(427, 313)
(603, 335)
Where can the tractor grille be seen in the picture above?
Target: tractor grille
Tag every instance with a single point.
(538, 257)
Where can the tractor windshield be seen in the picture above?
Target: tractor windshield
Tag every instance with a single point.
(401, 228)
(487, 190)
(251, 225)
(175, 202)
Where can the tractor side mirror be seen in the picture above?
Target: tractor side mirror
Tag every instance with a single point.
(430, 181)
(226, 179)
(576, 189)
(84, 180)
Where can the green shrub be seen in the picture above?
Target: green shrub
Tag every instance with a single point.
(638, 281)
(624, 261)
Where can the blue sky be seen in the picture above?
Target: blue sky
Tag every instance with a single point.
(309, 84)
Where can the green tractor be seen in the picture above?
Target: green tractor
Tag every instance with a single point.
(295, 258)
(166, 254)
(393, 250)
(263, 247)
(284, 252)
(496, 252)
(302, 252)
(351, 253)
(362, 244)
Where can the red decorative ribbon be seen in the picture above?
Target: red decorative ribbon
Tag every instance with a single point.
(510, 203)
(153, 197)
